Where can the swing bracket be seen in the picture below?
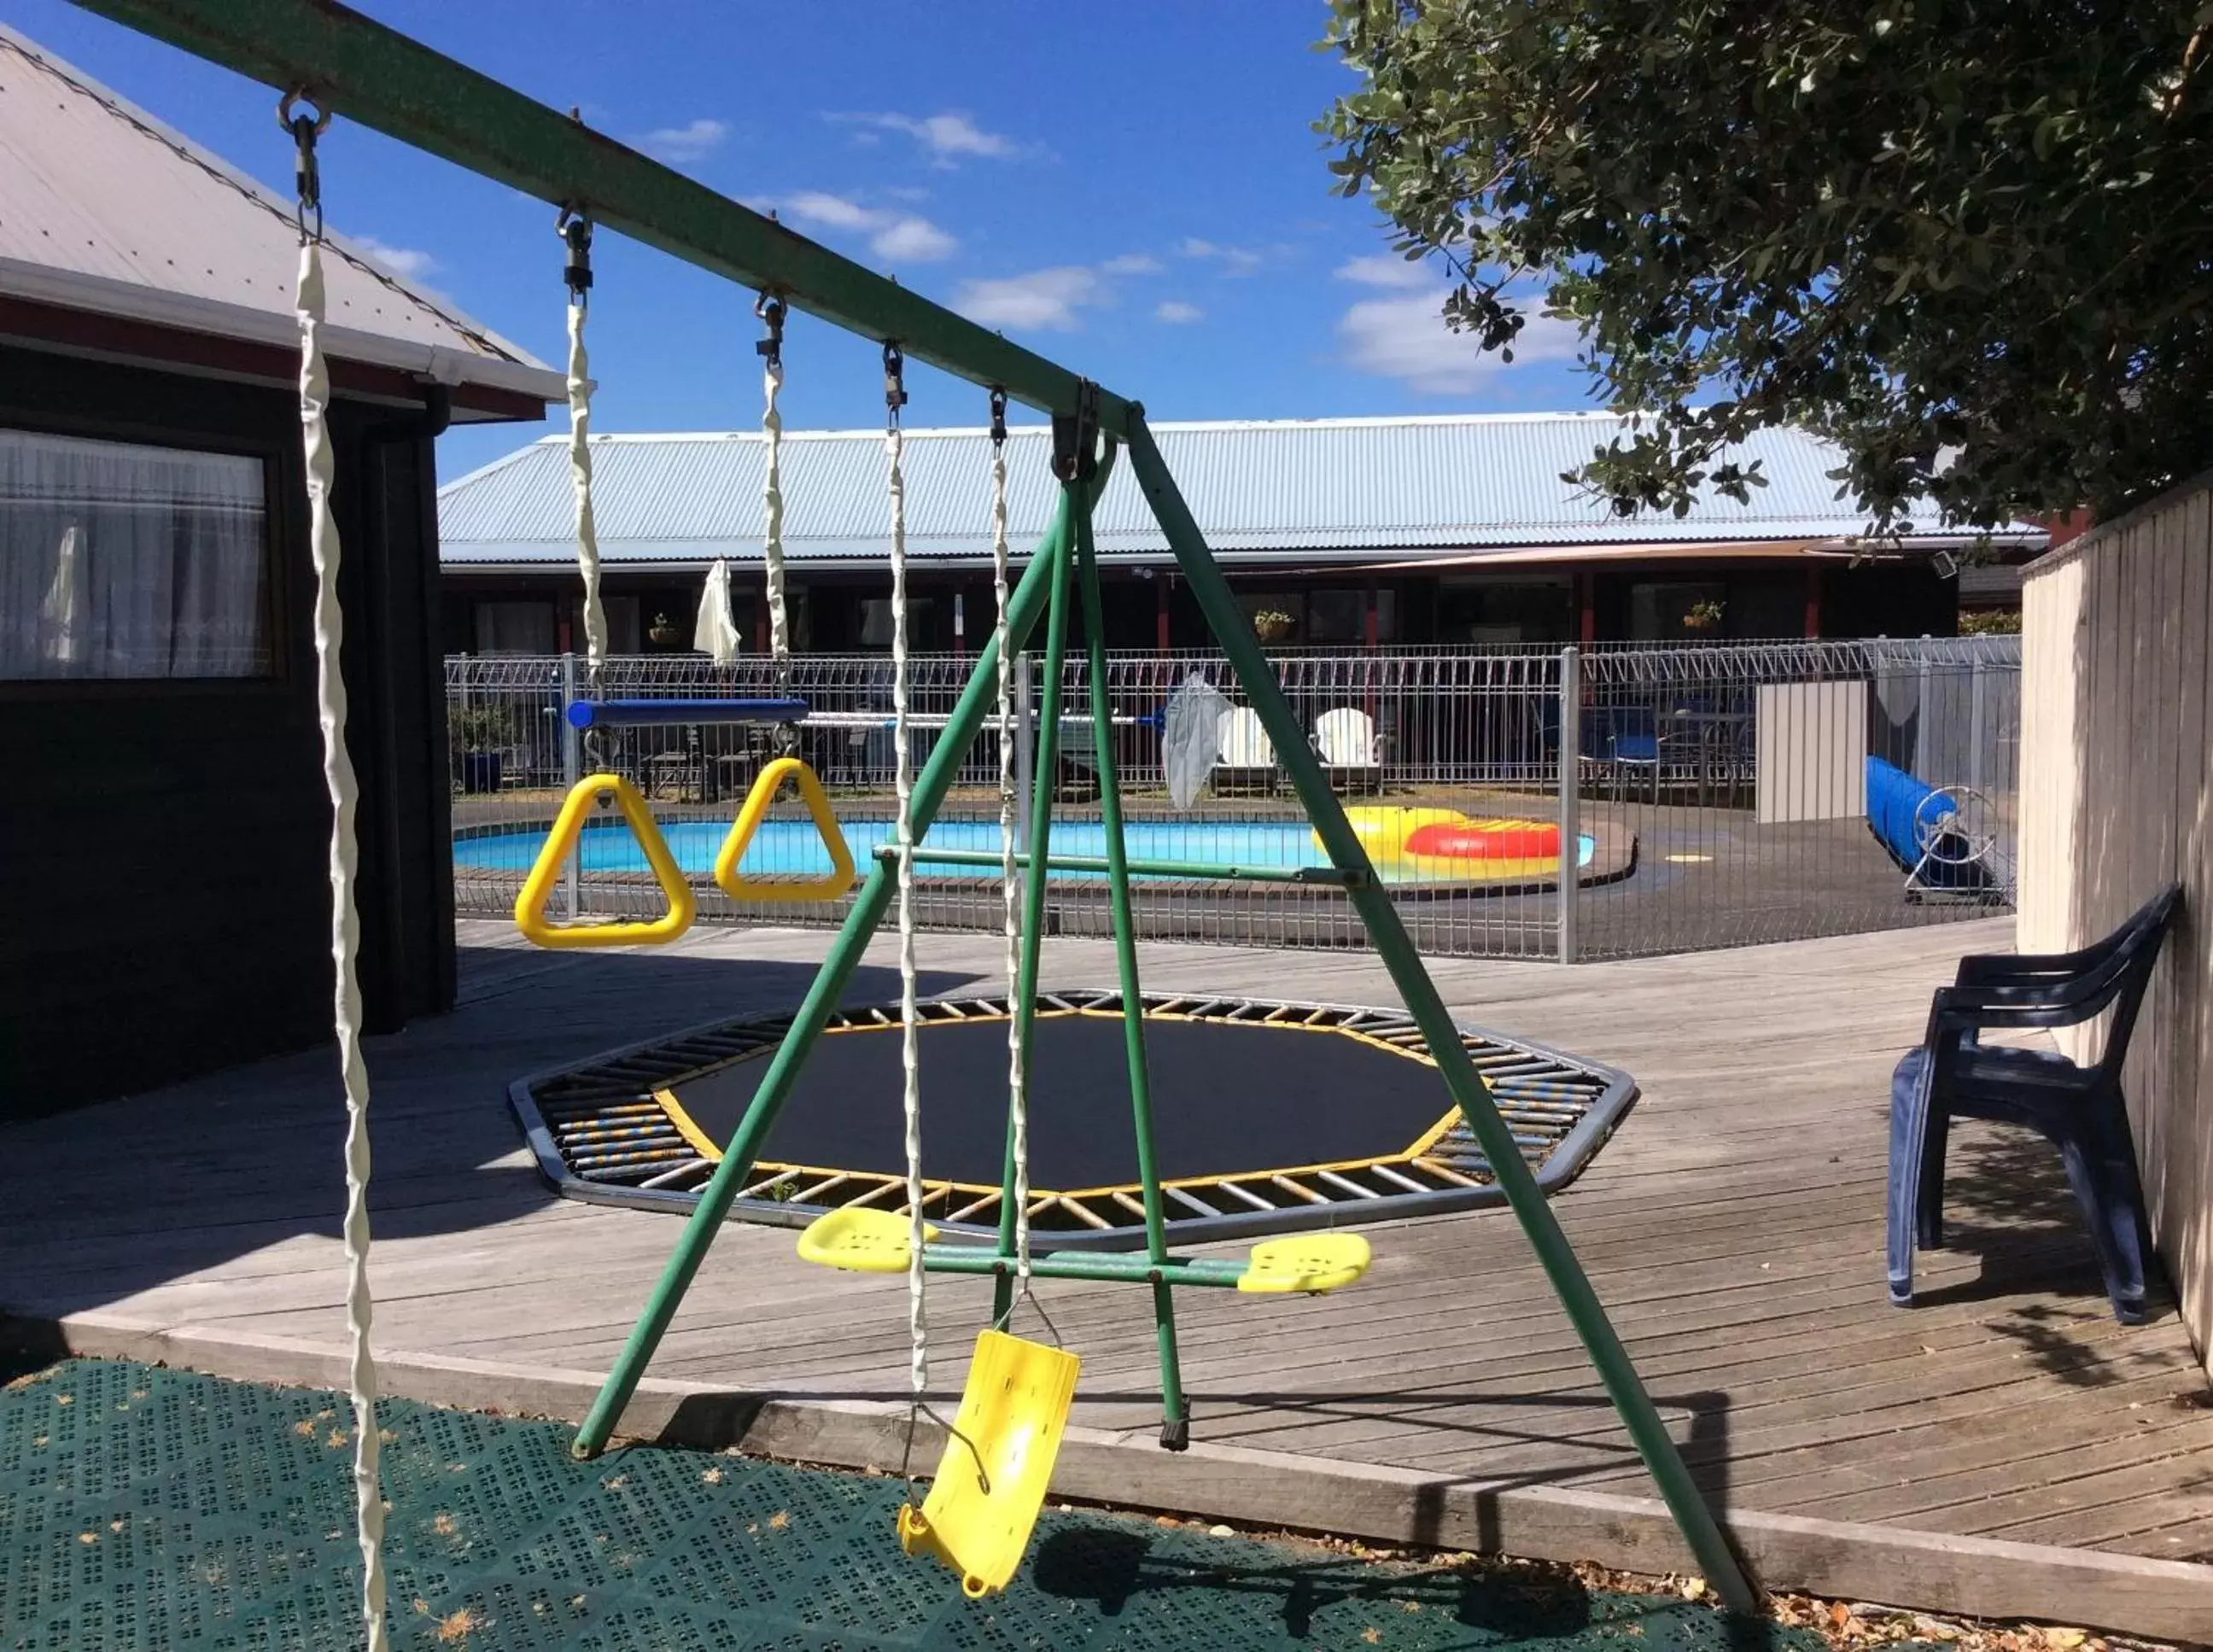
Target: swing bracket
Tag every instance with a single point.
(1076, 436)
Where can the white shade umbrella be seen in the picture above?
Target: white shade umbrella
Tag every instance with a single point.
(62, 611)
(716, 635)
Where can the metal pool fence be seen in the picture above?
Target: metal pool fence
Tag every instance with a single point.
(1717, 795)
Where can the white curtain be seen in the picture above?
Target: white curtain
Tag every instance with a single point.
(122, 560)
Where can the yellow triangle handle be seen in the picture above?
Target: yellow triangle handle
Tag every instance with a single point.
(765, 787)
(568, 826)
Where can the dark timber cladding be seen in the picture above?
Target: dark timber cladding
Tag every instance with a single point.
(165, 865)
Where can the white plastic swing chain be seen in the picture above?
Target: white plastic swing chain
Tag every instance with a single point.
(576, 230)
(770, 310)
(902, 773)
(1009, 884)
(345, 791)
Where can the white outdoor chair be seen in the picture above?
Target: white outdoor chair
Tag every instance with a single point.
(1247, 763)
(1350, 752)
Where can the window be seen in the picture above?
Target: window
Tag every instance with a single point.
(1498, 610)
(119, 560)
(1341, 616)
(876, 621)
(515, 627)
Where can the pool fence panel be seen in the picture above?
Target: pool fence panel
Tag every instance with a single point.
(1714, 792)
(2116, 803)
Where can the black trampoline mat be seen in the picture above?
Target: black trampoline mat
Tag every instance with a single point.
(1226, 1097)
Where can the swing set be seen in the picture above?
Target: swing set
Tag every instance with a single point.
(1000, 1446)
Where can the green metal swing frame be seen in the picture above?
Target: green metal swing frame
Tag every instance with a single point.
(349, 64)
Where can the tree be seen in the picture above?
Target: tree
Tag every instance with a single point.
(1970, 241)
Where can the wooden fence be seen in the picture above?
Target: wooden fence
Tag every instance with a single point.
(2116, 801)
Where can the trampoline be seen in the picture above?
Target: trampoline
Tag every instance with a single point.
(1269, 1117)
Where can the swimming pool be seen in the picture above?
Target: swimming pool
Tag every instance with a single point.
(790, 847)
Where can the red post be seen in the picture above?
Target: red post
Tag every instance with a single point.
(1371, 629)
(1586, 606)
(1813, 599)
(1161, 583)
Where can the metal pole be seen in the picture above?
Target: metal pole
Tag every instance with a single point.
(1393, 946)
(822, 996)
(1175, 1416)
(1570, 783)
(572, 770)
(1034, 886)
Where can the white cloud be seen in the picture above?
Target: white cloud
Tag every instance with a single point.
(1043, 301)
(1132, 263)
(694, 141)
(897, 235)
(913, 241)
(944, 138)
(406, 262)
(1174, 311)
(1234, 260)
(1380, 270)
(1407, 339)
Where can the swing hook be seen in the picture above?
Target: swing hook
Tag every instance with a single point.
(306, 173)
(771, 310)
(894, 382)
(998, 417)
(573, 225)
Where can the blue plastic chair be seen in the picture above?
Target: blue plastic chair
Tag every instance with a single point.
(2079, 1109)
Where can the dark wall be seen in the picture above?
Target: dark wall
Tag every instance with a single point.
(163, 859)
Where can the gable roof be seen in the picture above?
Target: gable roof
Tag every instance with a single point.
(104, 208)
(1326, 490)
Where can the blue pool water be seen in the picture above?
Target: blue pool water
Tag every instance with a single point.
(791, 847)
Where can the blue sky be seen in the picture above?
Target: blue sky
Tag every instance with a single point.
(1135, 190)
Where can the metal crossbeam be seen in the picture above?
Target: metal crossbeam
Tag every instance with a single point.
(353, 66)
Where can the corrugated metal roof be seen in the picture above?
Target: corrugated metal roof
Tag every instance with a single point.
(102, 207)
(1317, 488)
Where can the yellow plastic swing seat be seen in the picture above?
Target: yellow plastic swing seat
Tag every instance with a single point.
(990, 1482)
(1308, 1263)
(861, 1240)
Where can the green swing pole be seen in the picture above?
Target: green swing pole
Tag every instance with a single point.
(822, 997)
(1045, 767)
(1175, 1415)
(1396, 949)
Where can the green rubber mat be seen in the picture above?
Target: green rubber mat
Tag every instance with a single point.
(145, 1509)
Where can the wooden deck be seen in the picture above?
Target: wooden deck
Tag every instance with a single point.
(2005, 1448)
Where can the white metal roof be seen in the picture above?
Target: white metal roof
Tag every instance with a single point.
(1322, 489)
(103, 208)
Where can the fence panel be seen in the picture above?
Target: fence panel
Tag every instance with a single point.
(1719, 790)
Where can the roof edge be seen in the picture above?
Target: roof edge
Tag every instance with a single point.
(104, 295)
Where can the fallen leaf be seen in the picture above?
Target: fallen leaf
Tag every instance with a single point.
(1694, 1587)
(2066, 1640)
(305, 1428)
(779, 1520)
(88, 1537)
(455, 1625)
(444, 1525)
(65, 1399)
(1220, 1531)
(713, 1477)
(1839, 1614)
(1372, 1635)
(336, 1438)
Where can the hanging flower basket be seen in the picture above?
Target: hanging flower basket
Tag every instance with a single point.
(1271, 625)
(663, 631)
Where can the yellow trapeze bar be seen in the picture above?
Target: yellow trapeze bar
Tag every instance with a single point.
(568, 826)
(771, 781)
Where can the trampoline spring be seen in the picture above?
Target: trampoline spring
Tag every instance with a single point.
(888, 1184)
(1407, 1182)
(1436, 1168)
(814, 1194)
(1126, 1202)
(975, 1207)
(1294, 1188)
(1347, 1184)
(1198, 1204)
(1077, 1209)
(1247, 1195)
(677, 1174)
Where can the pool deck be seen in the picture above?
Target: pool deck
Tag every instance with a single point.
(2004, 1450)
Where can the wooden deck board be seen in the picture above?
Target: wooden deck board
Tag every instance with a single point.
(1734, 1227)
